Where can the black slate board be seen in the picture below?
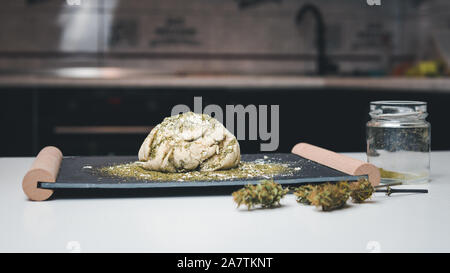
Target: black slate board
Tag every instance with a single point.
(73, 177)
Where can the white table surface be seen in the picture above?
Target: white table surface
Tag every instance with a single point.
(399, 223)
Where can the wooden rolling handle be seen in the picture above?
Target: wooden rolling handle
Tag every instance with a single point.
(45, 168)
(337, 161)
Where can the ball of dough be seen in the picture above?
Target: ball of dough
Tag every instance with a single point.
(189, 142)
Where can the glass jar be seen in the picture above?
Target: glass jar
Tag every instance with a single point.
(398, 141)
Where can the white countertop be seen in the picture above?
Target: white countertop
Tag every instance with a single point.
(399, 223)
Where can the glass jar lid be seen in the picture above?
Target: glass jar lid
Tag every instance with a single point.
(398, 109)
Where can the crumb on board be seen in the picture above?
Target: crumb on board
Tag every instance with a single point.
(245, 170)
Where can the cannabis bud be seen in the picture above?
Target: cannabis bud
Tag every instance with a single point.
(330, 196)
(361, 190)
(303, 192)
(267, 194)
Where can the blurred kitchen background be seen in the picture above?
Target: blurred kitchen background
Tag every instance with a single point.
(93, 76)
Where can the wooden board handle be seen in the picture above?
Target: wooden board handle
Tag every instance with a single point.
(45, 168)
(338, 162)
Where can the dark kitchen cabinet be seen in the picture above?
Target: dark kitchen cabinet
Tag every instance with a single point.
(331, 118)
(18, 120)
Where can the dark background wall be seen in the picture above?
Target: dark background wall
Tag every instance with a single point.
(330, 118)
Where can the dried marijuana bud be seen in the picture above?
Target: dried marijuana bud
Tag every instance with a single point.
(361, 190)
(303, 192)
(330, 196)
(267, 194)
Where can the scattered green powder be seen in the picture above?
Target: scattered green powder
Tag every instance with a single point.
(245, 170)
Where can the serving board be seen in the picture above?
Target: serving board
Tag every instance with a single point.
(74, 176)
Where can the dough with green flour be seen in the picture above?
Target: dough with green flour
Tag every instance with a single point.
(187, 142)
